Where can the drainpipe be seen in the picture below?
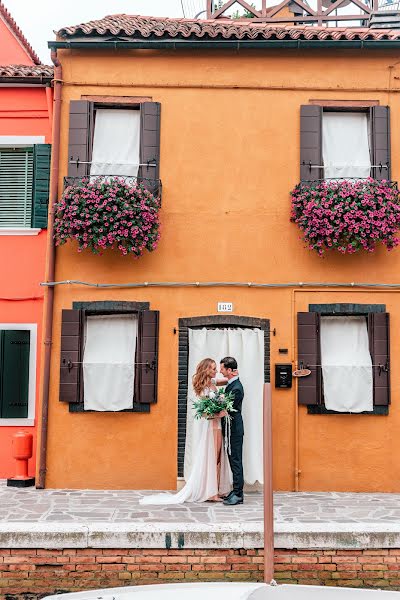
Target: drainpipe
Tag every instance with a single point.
(50, 270)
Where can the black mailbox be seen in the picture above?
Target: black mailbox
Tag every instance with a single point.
(283, 376)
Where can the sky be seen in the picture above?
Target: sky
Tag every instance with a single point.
(39, 18)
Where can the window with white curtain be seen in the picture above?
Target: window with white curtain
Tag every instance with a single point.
(116, 142)
(109, 362)
(346, 364)
(345, 145)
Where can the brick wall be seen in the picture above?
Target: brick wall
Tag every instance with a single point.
(28, 574)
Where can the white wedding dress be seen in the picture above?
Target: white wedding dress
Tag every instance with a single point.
(203, 480)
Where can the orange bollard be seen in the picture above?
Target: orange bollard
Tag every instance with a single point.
(22, 446)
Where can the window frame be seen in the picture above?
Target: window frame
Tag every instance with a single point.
(107, 106)
(311, 140)
(346, 310)
(350, 109)
(109, 308)
(28, 421)
(109, 102)
(23, 141)
(20, 149)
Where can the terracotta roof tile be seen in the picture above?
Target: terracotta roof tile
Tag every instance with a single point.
(18, 33)
(26, 71)
(146, 27)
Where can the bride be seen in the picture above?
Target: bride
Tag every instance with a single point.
(210, 478)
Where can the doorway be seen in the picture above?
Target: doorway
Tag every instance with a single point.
(245, 338)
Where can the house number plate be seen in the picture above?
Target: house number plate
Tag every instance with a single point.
(225, 307)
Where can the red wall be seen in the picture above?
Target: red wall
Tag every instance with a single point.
(23, 112)
(11, 51)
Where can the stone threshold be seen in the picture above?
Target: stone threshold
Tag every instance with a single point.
(313, 536)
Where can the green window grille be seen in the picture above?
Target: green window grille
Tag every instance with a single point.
(14, 373)
(16, 179)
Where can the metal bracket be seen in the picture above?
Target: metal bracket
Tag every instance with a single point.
(150, 366)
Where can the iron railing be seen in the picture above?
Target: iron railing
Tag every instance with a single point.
(152, 185)
(316, 182)
(304, 12)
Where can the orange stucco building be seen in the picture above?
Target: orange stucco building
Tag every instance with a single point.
(25, 132)
(230, 153)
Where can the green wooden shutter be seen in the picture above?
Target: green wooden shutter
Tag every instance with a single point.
(41, 184)
(16, 170)
(14, 374)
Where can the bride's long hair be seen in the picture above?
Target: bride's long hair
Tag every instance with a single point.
(201, 378)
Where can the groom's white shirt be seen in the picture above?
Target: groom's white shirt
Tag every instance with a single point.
(232, 379)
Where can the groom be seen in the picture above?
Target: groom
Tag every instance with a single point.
(228, 368)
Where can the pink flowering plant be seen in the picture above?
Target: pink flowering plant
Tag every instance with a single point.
(106, 213)
(347, 215)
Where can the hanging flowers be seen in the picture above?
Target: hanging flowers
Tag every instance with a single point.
(347, 215)
(102, 213)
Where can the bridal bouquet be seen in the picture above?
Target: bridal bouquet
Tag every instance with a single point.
(213, 403)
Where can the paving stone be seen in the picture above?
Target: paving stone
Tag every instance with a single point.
(118, 506)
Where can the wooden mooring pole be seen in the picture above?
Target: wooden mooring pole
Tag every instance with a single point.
(268, 491)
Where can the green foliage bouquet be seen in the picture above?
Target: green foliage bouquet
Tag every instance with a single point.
(212, 403)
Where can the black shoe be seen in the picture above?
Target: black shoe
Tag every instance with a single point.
(233, 500)
(228, 495)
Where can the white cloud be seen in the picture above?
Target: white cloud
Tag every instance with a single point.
(39, 18)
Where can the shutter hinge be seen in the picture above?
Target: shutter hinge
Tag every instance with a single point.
(150, 366)
(69, 364)
(385, 368)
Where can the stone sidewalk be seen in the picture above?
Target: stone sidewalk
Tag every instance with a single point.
(115, 519)
(80, 506)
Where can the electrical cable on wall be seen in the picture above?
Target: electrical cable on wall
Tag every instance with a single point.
(215, 284)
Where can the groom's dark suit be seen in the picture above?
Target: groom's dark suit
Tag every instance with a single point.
(237, 431)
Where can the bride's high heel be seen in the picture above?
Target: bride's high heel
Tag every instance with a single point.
(214, 499)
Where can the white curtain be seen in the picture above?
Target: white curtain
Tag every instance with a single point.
(247, 346)
(346, 364)
(116, 142)
(109, 362)
(345, 145)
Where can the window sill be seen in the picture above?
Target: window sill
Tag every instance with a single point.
(321, 410)
(19, 231)
(17, 422)
(137, 408)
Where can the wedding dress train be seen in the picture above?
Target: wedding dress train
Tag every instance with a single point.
(203, 480)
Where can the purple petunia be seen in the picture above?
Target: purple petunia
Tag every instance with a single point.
(347, 215)
(83, 214)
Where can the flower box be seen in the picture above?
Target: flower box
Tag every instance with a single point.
(347, 215)
(108, 212)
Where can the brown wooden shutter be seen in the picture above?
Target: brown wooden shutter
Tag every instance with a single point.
(310, 142)
(80, 137)
(380, 138)
(378, 331)
(309, 357)
(150, 116)
(71, 355)
(147, 357)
